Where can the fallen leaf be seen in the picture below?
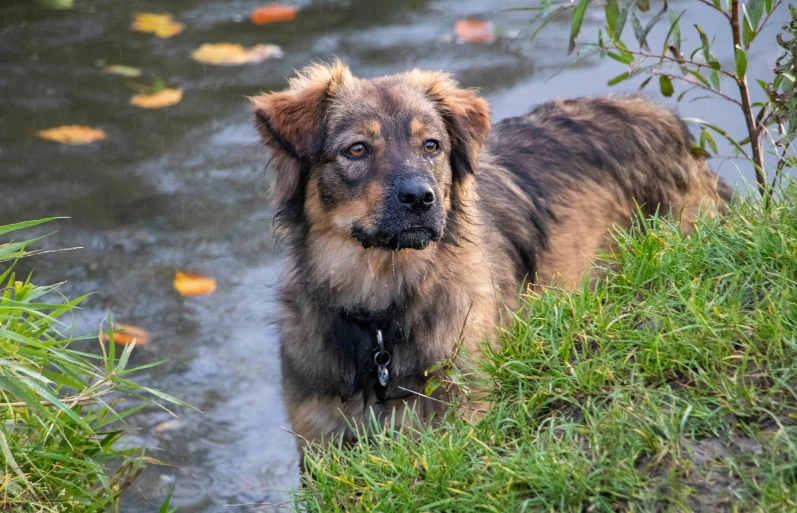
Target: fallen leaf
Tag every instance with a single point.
(125, 71)
(230, 54)
(474, 31)
(72, 134)
(194, 284)
(272, 13)
(127, 335)
(58, 4)
(163, 98)
(162, 25)
(168, 425)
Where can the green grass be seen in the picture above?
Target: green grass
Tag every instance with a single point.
(670, 386)
(59, 425)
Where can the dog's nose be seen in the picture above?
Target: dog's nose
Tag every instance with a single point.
(415, 194)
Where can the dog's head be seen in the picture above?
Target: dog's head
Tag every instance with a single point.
(382, 161)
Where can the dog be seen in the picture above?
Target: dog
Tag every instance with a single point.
(410, 224)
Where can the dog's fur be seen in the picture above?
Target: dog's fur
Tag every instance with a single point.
(531, 200)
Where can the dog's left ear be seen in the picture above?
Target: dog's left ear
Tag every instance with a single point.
(467, 117)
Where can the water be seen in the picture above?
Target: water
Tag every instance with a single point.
(184, 188)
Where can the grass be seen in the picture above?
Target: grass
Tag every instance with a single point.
(60, 430)
(670, 386)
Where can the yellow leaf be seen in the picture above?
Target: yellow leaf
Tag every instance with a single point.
(127, 335)
(162, 25)
(232, 54)
(163, 98)
(194, 284)
(72, 134)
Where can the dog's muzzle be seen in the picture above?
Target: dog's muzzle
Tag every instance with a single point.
(411, 238)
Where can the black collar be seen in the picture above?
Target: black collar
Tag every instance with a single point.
(365, 319)
(358, 333)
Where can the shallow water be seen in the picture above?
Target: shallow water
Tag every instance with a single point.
(185, 188)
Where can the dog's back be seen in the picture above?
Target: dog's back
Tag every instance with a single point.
(562, 175)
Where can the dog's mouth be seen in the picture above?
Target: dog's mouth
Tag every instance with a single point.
(410, 238)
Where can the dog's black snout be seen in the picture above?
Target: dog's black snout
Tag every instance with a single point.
(415, 194)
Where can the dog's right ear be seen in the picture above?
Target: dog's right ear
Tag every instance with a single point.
(291, 122)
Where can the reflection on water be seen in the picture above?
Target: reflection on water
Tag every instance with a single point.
(185, 188)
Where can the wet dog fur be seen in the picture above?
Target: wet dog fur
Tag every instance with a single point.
(403, 211)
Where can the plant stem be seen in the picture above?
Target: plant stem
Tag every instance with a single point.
(775, 5)
(781, 162)
(680, 60)
(744, 92)
(718, 9)
(697, 84)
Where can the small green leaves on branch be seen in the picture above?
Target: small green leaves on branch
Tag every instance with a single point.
(698, 70)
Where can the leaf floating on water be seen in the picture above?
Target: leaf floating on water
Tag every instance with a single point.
(229, 54)
(127, 335)
(474, 31)
(125, 71)
(58, 4)
(72, 134)
(168, 425)
(194, 284)
(162, 25)
(273, 13)
(163, 98)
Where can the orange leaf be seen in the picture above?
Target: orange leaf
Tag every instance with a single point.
(163, 98)
(194, 284)
(230, 54)
(72, 134)
(474, 31)
(162, 25)
(272, 13)
(127, 335)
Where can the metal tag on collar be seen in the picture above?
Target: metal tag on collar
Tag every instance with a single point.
(382, 360)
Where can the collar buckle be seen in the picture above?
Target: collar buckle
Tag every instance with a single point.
(382, 360)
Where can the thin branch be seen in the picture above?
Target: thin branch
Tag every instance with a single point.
(744, 93)
(699, 85)
(765, 119)
(677, 60)
(775, 5)
(297, 435)
(729, 157)
(259, 505)
(458, 342)
(73, 400)
(718, 9)
(781, 162)
(44, 252)
(778, 170)
(423, 395)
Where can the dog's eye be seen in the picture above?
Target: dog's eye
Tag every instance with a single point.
(356, 150)
(431, 146)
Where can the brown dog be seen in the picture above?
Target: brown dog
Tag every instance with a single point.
(410, 224)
